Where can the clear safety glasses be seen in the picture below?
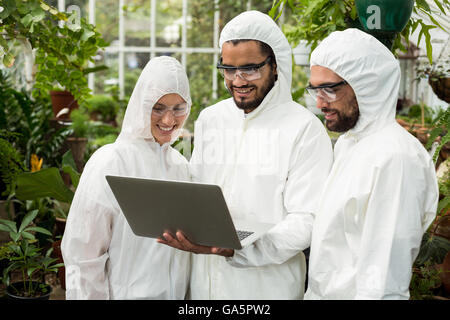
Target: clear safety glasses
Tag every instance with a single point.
(327, 92)
(248, 73)
(177, 110)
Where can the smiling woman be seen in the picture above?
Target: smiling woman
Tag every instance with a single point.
(167, 120)
(96, 232)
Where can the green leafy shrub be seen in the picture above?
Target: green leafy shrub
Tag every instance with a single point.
(30, 119)
(103, 105)
(63, 51)
(24, 256)
(80, 123)
(11, 165)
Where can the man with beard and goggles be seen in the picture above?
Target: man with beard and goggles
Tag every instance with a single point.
(381, 194)
(271, 157)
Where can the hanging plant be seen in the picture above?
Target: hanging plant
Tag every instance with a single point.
(316, 19)
(63, 50)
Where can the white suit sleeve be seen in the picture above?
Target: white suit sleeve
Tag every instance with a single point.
(310, 163)
(399, 210)
(87, 238)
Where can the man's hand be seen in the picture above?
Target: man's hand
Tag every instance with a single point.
(182, 243)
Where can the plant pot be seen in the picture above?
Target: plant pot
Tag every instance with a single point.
(61, 100)
(60, 224)
(442, 228)
(62, 270)
(384, 19)
(78, 148)
(404, 124)
(445, 275)
(422, 134)
(15, 291)
(445, 151)
(7, 215)
(441, 87)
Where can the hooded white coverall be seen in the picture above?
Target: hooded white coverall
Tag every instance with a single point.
(381, 194)
(103, 257)
(271, 165)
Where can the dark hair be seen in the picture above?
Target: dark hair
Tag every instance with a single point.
(265, 48)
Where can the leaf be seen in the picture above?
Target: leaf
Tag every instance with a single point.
(14, 236)
(44, 183)
(423, 4)
(95, 69)
(69, 167)
(4, 228)
(11, 224)
(8, 60)
(273, 11)
(28, 236)
(29, 217)
(31, 270)
(438, 3)
(444, 203)
(39, 229)
(87, 34)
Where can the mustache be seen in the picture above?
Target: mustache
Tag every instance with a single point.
(325, 109)
(242, 87)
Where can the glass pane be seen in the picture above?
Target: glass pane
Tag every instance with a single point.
(107, 80)
(169, 23)
(134, 63)
(107, 20)
(137, 23)
(81, 5)
(200, 30)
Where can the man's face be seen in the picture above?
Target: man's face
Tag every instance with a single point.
(341, 111)
(248, 95)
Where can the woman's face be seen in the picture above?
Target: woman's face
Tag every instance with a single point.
(168, 115)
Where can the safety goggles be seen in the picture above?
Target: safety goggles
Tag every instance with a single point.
(178, 110)
(248, 73)
(327, 92)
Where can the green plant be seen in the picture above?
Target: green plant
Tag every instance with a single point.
(424, 281)
(80, 123)
(63, 51)
(48, 182)
(11, 165)
(29, 119)
(316, 19)
(104, 105)
(24, 256)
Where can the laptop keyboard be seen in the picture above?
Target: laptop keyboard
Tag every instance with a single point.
(243, 234)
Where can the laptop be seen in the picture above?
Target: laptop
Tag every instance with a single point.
(152, 206)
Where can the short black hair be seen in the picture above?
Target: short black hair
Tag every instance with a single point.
(265, 48)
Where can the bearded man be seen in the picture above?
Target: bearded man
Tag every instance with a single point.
(381, 194)
(271, 157)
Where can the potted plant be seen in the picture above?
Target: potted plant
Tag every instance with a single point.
(78, 140)
(315, 20)
(103, 108)
(28, 260)
(63, 49)
(11, 165)
(49, 183)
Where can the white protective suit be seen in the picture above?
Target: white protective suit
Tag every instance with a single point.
(271, 165)
(381, 194)
(103, 257)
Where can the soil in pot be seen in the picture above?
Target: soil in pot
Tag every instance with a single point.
(16, 291)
